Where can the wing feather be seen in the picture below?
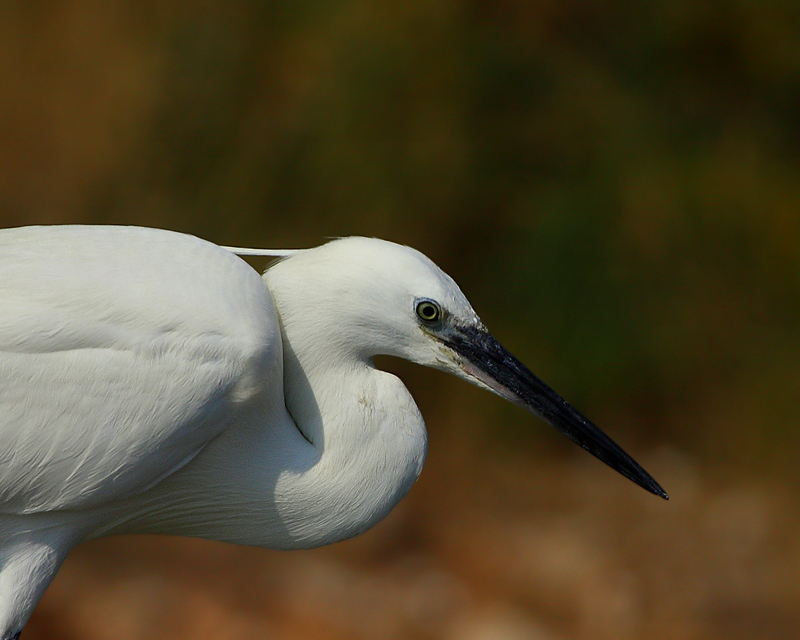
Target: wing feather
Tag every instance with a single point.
(123, 351)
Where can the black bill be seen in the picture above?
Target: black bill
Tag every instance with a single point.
(490, 363)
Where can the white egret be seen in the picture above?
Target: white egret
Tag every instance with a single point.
(152, 382)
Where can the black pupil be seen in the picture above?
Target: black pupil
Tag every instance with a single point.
(427, 311)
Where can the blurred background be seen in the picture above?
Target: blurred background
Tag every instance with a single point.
(615, 186)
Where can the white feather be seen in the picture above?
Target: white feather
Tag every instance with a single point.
(268, 253)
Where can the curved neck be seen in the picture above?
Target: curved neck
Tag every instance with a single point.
(367, 432)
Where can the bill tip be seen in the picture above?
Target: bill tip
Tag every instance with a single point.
(660, 492)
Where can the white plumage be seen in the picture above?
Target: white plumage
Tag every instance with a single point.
(153, 382)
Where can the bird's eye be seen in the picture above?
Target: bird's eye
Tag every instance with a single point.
(429, 311)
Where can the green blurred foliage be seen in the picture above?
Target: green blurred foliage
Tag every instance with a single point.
(615, 185)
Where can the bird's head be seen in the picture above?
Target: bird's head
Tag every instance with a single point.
(364, 297)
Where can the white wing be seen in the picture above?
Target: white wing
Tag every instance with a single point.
(123, 351)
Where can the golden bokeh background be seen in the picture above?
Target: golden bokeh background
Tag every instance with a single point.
(615, 186)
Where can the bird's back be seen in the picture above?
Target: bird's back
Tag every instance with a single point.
(123, 351)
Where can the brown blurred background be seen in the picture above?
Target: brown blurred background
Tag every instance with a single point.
(615, 186)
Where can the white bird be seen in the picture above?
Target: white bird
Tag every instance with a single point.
(152, 382)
